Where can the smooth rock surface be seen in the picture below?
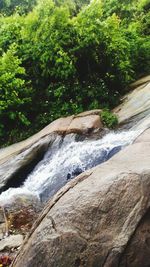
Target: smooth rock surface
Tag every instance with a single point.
(18, 160)
(141, 81)
(84, 124)
(101, 218)
(135, 102)
(59, 126)
(12, 241)
(19, 165)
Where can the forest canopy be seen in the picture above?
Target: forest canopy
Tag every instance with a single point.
(65, 56)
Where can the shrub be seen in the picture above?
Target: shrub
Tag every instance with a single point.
(109, 119)
(15, 93)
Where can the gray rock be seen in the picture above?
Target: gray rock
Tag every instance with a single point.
(2, 219)
(101, 218)
(135, 102)
(2, 230)
(15, 168)
(80, 123)
(17, 160)
(12, 241)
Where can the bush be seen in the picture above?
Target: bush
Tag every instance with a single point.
(15, 94)
(67, 56)
(109, 119)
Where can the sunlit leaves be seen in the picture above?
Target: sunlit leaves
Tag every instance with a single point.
(14, 91)
(75, 55)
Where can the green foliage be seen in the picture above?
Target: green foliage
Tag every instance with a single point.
(14, 92)
(73, 5)
(63, 57)
(102, 50)
(8, 7)
(109, 119)
(124, 9)
(10, 30)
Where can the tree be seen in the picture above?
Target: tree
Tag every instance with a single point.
(70, 55)
(8, 7)
(15, 93)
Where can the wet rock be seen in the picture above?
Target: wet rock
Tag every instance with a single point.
(21, 213)
(76, 172)
(83, 122)
(113, 151)
(21, 221)
(14, 171)
(97, 218)
(18, 160)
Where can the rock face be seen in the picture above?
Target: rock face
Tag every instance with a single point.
(12, 241)
(101, 218)
(17, 166)
(18, 160)
(80, 123)
(2, 224)
(136, 102)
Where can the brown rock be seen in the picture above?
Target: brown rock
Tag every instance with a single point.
(97, 218)
(85, 124)
(21, 220)
(80, 122)
(144, 137)
(18, 159)
(89, 112)
(141, 81)
(138, 250)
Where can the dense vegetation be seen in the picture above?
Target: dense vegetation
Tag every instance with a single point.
(61, 57)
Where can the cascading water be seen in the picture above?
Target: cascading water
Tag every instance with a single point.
(65, 159)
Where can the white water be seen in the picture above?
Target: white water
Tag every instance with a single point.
(66, 159)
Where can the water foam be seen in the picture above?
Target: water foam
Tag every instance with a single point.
(66, 159)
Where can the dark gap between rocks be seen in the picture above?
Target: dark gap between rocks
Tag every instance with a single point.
(18, 178)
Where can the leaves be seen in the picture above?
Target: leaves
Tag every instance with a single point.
(14, 92)
(63, 57)
(109, 119)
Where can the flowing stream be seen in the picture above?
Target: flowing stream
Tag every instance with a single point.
(67, 158)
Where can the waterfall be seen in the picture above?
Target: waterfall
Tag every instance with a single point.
(67, 158)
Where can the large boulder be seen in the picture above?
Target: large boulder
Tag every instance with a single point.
(91, 195)
(80, 123)
(18, 160)
(15, 168)
(101, 218)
